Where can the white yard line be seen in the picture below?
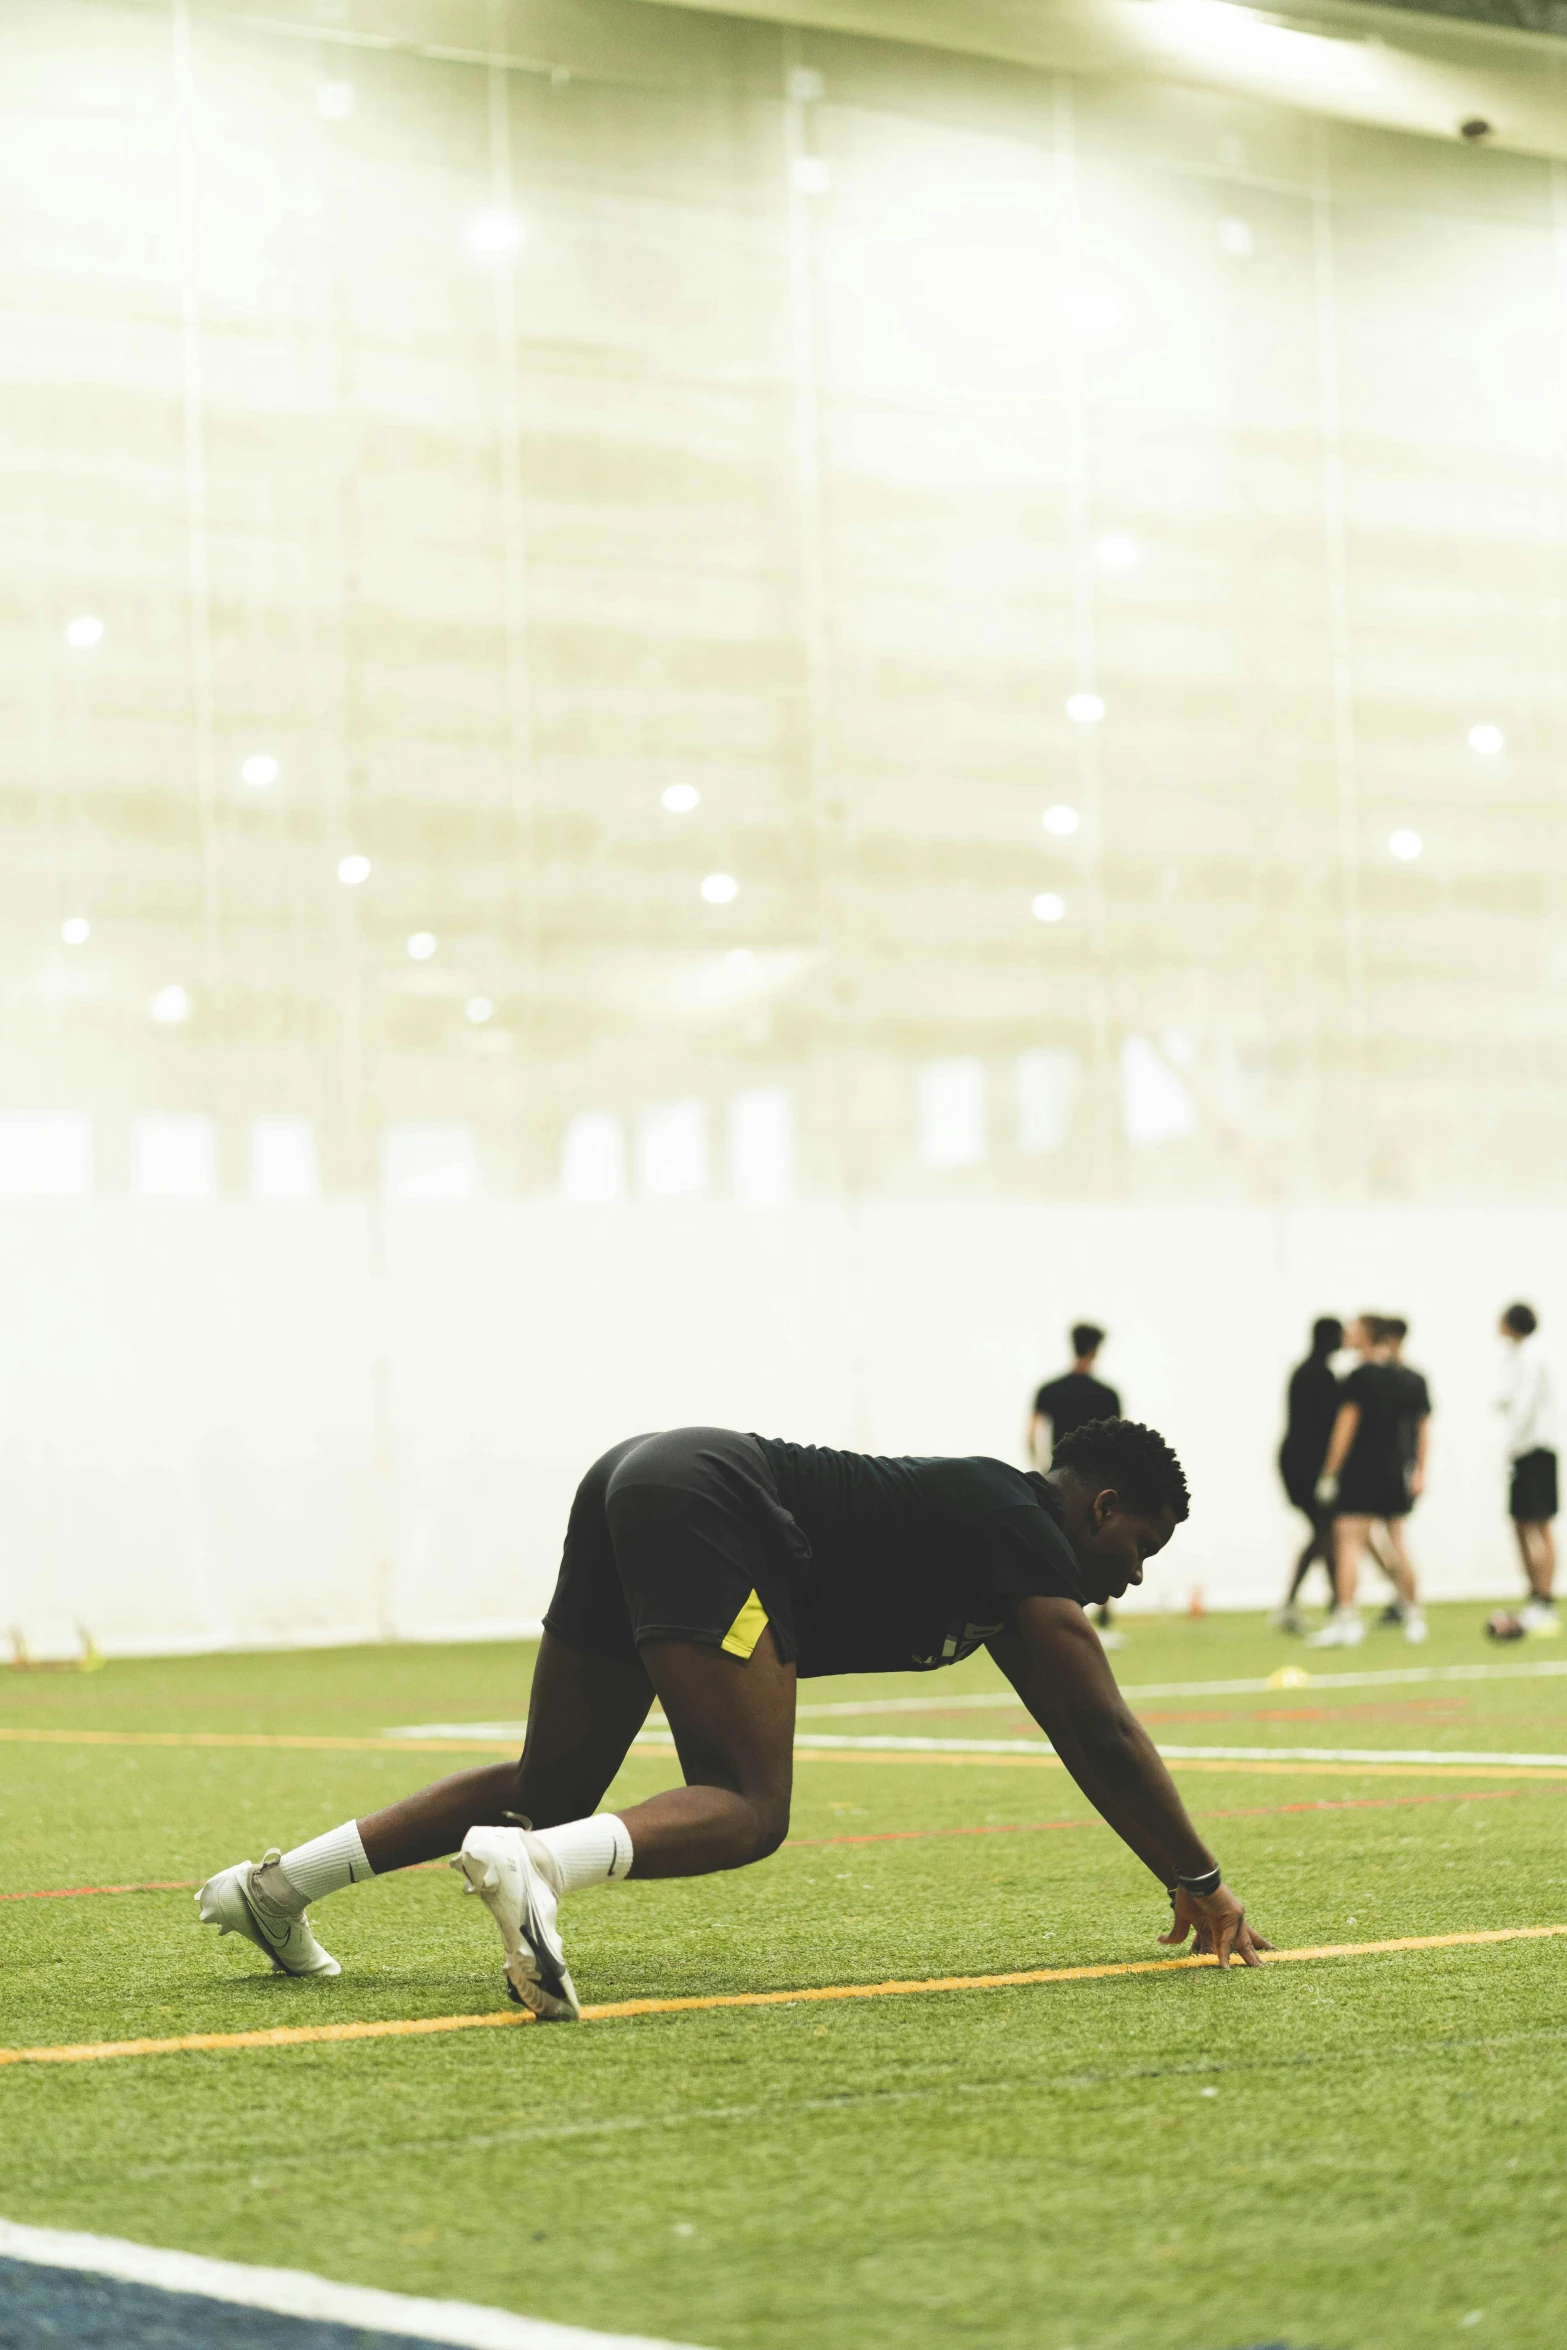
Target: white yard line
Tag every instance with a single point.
(1286, 1678)
(824, 1742)
(291, 2292)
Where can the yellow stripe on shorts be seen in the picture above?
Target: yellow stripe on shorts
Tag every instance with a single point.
(747, 1628)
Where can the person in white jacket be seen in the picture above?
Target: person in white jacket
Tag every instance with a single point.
(1530, 1417)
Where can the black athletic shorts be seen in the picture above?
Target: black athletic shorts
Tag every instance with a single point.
(678, 1536)
(1532, 1496)
(1376, 1491)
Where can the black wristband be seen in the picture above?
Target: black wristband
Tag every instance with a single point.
(1201, 1887)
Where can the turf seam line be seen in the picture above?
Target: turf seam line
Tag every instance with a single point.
(419, 2027)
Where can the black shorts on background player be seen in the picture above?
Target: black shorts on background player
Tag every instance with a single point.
(1373, 1479)
(1073, 1400)
(1531, 1495)
(859, 1564)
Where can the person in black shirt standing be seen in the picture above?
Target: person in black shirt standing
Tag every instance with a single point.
(1366, 1476)
(710, 1569)
(1068, 1403)
(1072, 1400)
(1310, 1412)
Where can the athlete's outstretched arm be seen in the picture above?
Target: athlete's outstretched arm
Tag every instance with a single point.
(1055, 1663)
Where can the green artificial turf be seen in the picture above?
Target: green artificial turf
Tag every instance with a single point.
(1340, 2155)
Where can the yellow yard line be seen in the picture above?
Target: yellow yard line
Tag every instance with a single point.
(419, 2027)
(253, 1739)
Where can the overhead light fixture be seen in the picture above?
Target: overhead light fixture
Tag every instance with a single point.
(1047, 907)
(76, 930)
(1235, 238)
(85, 631)
(1084, 709)
(720, 889)
(421, 946)
(351, 871)
(495, 235)
(479, 1009)
(1405, 845)
(680, 799)
(812, 175)
(170, 1006)
(335, 101)
(1487, 740)
(1117, 552)
(259, 769)
(1061, 820)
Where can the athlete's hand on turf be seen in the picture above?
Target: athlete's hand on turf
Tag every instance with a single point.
(1219, 1922)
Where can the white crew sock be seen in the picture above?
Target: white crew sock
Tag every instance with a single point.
(325, 1865)
(583, 1852)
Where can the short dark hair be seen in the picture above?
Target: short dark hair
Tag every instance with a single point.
(1327, 1335)
(1522, 1321)
(1378, 1328)
(1087, 1338)
(1395, 1327)
(1134, 1459)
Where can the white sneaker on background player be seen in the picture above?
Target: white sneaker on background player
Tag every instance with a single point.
(1343, 1629)
(1539, 1615)
(516, 1879)
(235, 1904)
(1415, 1627)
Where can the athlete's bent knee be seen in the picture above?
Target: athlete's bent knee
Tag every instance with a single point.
(770, 1817)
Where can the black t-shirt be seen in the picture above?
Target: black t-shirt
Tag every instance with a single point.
(1377, 1453)
(913, 1562)
(1414, 1406)
(1074, 1399)
(1311, 1411)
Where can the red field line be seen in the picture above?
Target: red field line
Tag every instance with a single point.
(1258, 1811)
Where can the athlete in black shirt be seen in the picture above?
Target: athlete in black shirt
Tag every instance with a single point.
(1310, 1410)
(712, 1569)
(1072, 1400)
(1068, 1403)
(1368, 1475)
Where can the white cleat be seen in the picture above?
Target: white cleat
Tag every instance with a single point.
(231, 1902)
(1343, 1629)
(497, 1865)
(1415, 1625)
(1539, 1615)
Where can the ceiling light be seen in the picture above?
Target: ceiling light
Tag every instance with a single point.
(680, 798)
(495, 235)
(85, 631)
(1487, 740)
(1061, 821)
(1117, 552)
(812, 175)
(76, 930)
(335, 101)
(1405, 845)
(1084, 709)
(720, 889)
(421, 946)
(1089, 313)
(806, 85)
(1235, 239)
(479, 1009)
(170, 1006)
(260, 769)
(1048, 907)
(351, 871)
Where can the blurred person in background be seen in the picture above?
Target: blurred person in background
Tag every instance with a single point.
(1365, 1477)
(1069, 1402)
(1311, 1407)
(1530, 1408)
(1414, 1432)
